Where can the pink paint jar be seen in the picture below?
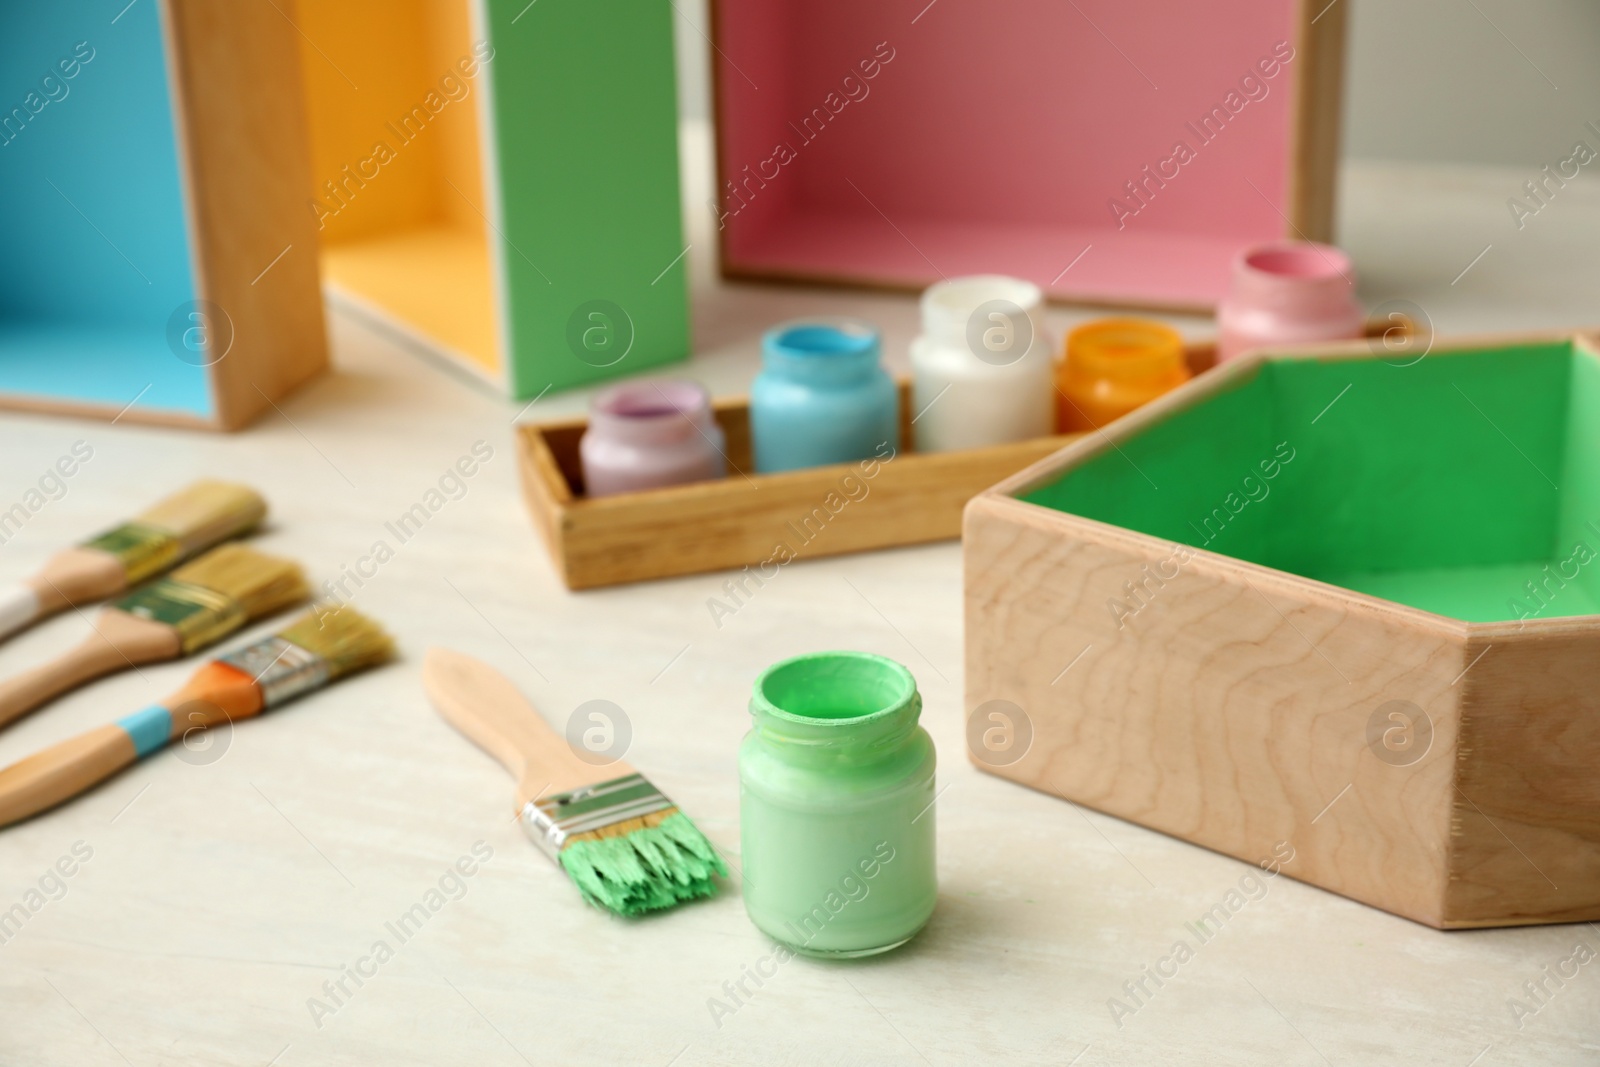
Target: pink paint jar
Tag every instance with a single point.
(1288, 293)
(649, 435)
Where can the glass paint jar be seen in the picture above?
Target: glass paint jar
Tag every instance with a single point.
(648, 435)
(822, 397)
(1288, 293)
(1113, 366)
(836, 806)
(982, 367)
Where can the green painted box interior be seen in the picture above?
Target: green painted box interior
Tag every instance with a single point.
(1466, 483)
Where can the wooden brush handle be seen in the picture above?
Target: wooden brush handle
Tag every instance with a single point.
(62, 771)
(77, 576)
(119, 641)
(19, 608)
(483, 704)
(217, 693)
(73, 576)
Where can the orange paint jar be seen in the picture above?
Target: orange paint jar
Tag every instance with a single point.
(1113, 366)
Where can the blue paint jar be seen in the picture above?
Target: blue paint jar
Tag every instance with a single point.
(822, 397)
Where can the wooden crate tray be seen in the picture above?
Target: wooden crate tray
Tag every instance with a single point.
(743, 519)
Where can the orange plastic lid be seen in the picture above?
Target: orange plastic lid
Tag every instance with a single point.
(1123, 348)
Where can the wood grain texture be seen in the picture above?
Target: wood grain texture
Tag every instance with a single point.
(1230, 711)
(119, 641)
(1234, 709)
(242, 134)
(748, 519)
(1525, 808)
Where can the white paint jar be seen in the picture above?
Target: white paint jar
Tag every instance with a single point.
(982, 369)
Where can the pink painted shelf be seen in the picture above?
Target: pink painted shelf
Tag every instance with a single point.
(894, 143)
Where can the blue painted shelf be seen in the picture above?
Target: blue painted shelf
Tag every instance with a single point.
(138, 228)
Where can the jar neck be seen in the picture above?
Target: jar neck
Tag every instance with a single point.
(1124, 351)
(836, 708)
(994, 317)
(651, 413)
(822, 351)
(1302, 278)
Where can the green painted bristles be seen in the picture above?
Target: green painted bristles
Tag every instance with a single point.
(646, 869)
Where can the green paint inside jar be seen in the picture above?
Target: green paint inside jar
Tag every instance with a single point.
(836, 805)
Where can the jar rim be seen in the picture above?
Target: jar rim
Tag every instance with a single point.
(948, 307)
(1123, 348)
(821, 338)
(661, 401)
(651, 412)
(1300, 262)
(893, 688)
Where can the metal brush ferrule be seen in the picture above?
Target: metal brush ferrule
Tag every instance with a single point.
(551, 821)
(281, 668)
(200, 615)
(142, 550)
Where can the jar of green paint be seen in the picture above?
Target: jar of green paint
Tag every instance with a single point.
(836, 806)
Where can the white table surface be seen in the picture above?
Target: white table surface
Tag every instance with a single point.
(221, 896)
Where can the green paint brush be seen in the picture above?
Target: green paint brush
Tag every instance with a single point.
(626, 846)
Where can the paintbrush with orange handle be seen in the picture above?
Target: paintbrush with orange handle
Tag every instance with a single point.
(194, 607)
(319, 648)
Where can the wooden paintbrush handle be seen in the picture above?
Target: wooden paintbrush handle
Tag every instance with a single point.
(483, 704)
(217, 693)
(19, 607)
(74, 577)
(62, 771)
(119, 641)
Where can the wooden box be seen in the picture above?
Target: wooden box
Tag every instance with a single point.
(158, 262)
(741, 520)
(498, 181)
(1112, 153)
(756, 521)
(1324, 604)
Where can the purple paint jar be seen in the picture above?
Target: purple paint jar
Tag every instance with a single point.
(648, 435)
